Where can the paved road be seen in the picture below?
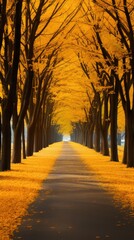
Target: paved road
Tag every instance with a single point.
(72, 206)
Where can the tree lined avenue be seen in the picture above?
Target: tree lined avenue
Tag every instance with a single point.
(66, 69)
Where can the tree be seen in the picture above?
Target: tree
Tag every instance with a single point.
(10, 92)
(101, 60)
(38, 21)
(122, 14)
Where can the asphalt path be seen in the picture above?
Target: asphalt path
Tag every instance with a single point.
(72, 206)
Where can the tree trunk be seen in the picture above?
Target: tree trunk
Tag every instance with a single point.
(30, 139)
(41, 133)
(6, 143)
(104, 119)
(97, 133)
(36, 142)
(23, 141)
(16, 158)
(90, 137)
(104, 143)
(113, 127)
(45, 139)
(97, 139)
(130, 138)
(37, 138)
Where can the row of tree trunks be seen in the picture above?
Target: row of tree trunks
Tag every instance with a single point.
(97, 131)
(124, 24)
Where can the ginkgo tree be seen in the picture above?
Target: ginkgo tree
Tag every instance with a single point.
(9, 72)
(122, 14)
(102, 53)
(28, 40)
(54, 37)
(91, 61)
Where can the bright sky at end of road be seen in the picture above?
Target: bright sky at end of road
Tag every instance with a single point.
(66, 138)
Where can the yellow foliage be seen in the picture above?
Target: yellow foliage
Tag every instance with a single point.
(69, 92)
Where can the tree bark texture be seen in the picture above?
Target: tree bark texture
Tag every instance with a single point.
(113, 126)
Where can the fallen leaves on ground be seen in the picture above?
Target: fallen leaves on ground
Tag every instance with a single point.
(19, 187)
(114, 176)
